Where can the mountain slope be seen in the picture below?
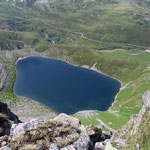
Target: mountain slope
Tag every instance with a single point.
(94, 23)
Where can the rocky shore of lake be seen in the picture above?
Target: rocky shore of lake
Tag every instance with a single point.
(3, 76)
(67, 133)
(23, 107)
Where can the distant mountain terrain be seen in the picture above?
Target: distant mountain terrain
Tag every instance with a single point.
(100, 24)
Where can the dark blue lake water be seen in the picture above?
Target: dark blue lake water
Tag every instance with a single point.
(64, 87)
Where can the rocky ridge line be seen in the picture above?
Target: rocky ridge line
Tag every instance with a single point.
(132, 127)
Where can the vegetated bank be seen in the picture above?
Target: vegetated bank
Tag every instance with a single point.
(64, 87)
(133, 71)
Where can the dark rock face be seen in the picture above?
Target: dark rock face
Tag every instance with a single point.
(10, 115)
(4, 125)
(94, 133)
(97, 135)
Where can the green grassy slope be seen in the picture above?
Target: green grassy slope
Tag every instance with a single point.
(132, 70)
(97, 24)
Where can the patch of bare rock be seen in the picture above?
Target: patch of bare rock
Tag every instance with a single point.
(3, 76)
(61, 133)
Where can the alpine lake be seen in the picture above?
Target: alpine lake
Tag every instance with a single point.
(64, 87)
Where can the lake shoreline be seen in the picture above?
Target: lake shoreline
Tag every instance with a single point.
(93, 68)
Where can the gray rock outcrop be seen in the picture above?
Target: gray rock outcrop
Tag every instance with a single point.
(99, 146)
(137, 118)
(132, 127)
(5, 148)
(53, 147)
(61, 133)
(17, 128)
(68, 119)
(83, 143)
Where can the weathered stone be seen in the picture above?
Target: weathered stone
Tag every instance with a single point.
(122, 142)
(65, 148)
(70, 147)
(146, 99)
(3, 76)
(83, 130)
(136, 120)
(82, 143)
(109, 147)
(4, 143)
(101, 126)
(16, 128)
(138, 146)
(68, 119)
(106, 141)
(6, 148)
(53, 147)
(19, 136)
(36, 122)
(99, 146)
(94, 133)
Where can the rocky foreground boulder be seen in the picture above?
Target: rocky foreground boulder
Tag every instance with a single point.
(61, 133)
(65, 132)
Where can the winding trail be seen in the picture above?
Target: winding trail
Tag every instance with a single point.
(89, 39)
(122, 50)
